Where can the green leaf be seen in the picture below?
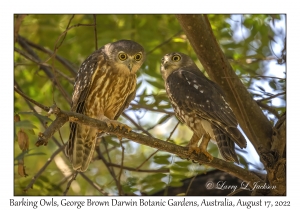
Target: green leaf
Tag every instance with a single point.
(22, 155)
(153, 178)
(25, 124)
(272, 84)
(175, 168)
(178, 177)
(112, 142)
(162, 159)
(44, 178)
(175, 184)
(183, 163)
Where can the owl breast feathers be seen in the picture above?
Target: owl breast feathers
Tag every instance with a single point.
(200, 103)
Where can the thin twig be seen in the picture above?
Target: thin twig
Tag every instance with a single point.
(45, 108)
(270, 109)
(64, 180)
(165, 42)
(273, 96)
(121, 168)
(139, 170)
(135, 124)
(18, 22)
(140, 106)
(97, 187)
(107, 164)
(190, 184)
(48, 72)
(95, 32)
(31, 58)
(33, 180)
(70, 182)
(63, 61)
(150, 156)
(63, 35)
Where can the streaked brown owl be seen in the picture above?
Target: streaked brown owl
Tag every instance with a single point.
(104, 86)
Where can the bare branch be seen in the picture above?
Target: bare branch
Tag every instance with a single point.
(273, 96)
(70, 182)
(121, 168)
(46, 108)
(64, 116)
(18, 22)
(136, 124)
(95, 31)
(63, 35)
(165, 42)
(93, 184)
(33, 180)
(158, 150)
(134, 106)
(140, 170)
(270, 109)
(44, 68)
(107, 164)
(63, 61)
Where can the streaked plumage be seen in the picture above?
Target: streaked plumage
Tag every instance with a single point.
(200, 103)
(104, 87)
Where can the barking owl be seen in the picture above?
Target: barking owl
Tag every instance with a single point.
(104, 86)
(200, 104)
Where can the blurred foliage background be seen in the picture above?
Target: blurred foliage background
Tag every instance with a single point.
(254, 45)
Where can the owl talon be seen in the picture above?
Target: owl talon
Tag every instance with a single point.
(113, 125)
(193, 148)
(209, 156)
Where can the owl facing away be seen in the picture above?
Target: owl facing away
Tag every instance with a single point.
(200, 104)
(104, 86)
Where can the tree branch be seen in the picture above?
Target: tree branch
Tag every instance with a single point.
(64, 116)
(63, 61)
(270, 109)
(249, 115)
(47, 71)
(139, 170)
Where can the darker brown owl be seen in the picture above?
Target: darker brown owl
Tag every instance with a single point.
(200, 104)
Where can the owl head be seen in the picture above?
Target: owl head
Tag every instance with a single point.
(174, 61)
(125, 55)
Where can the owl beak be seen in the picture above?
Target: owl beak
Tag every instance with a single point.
(165, 60)
(130, 65)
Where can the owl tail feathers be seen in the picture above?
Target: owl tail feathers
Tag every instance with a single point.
(84, 147)
(225, 145)
(237, 137)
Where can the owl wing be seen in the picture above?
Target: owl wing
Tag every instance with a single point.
(193, 91)
(82, 86)
(84, 79)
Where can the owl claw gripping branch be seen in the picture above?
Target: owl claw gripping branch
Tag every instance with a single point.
(104, 86)
(200, 103)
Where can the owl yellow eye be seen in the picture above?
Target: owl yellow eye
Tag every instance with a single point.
(122, 56)
(138, 57)
(176, 58)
